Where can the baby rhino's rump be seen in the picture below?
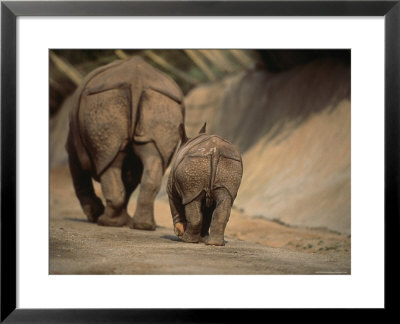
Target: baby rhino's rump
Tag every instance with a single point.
(229, 170)
(209, 164)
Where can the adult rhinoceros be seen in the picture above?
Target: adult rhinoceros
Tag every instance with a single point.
(124, 128)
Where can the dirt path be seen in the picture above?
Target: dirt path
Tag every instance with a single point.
(254, 246)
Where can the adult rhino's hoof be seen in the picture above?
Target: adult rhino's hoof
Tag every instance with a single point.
(114, 221)
(203, 239)
(141, 225)
(213, 241)
(93, 209)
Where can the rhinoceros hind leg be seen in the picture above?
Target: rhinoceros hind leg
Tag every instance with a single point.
(194, 218)
(91, 204)
(114, 193)
(220, 217)
(149, 186)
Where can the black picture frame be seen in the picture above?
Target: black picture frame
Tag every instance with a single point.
(390, 10)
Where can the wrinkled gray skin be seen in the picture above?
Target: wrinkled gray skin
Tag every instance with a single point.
(202, 187)
(124, 128)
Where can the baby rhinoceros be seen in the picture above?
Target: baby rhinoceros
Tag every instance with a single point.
(202, 187)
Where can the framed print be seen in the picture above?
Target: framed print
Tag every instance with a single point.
(266, 132)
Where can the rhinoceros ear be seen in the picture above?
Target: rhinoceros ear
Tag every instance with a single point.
(203, 129)
(182, 133)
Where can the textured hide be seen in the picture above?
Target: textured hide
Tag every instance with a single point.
(205, 163)
(108, 99)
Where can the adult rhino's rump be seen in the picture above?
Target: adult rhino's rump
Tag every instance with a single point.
(110, 96)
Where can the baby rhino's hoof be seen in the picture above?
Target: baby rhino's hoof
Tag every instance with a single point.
(188, 238)
(179, 229)
(114, 221)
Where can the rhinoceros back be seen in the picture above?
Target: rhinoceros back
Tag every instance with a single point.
(108, 107)
(206, 164)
